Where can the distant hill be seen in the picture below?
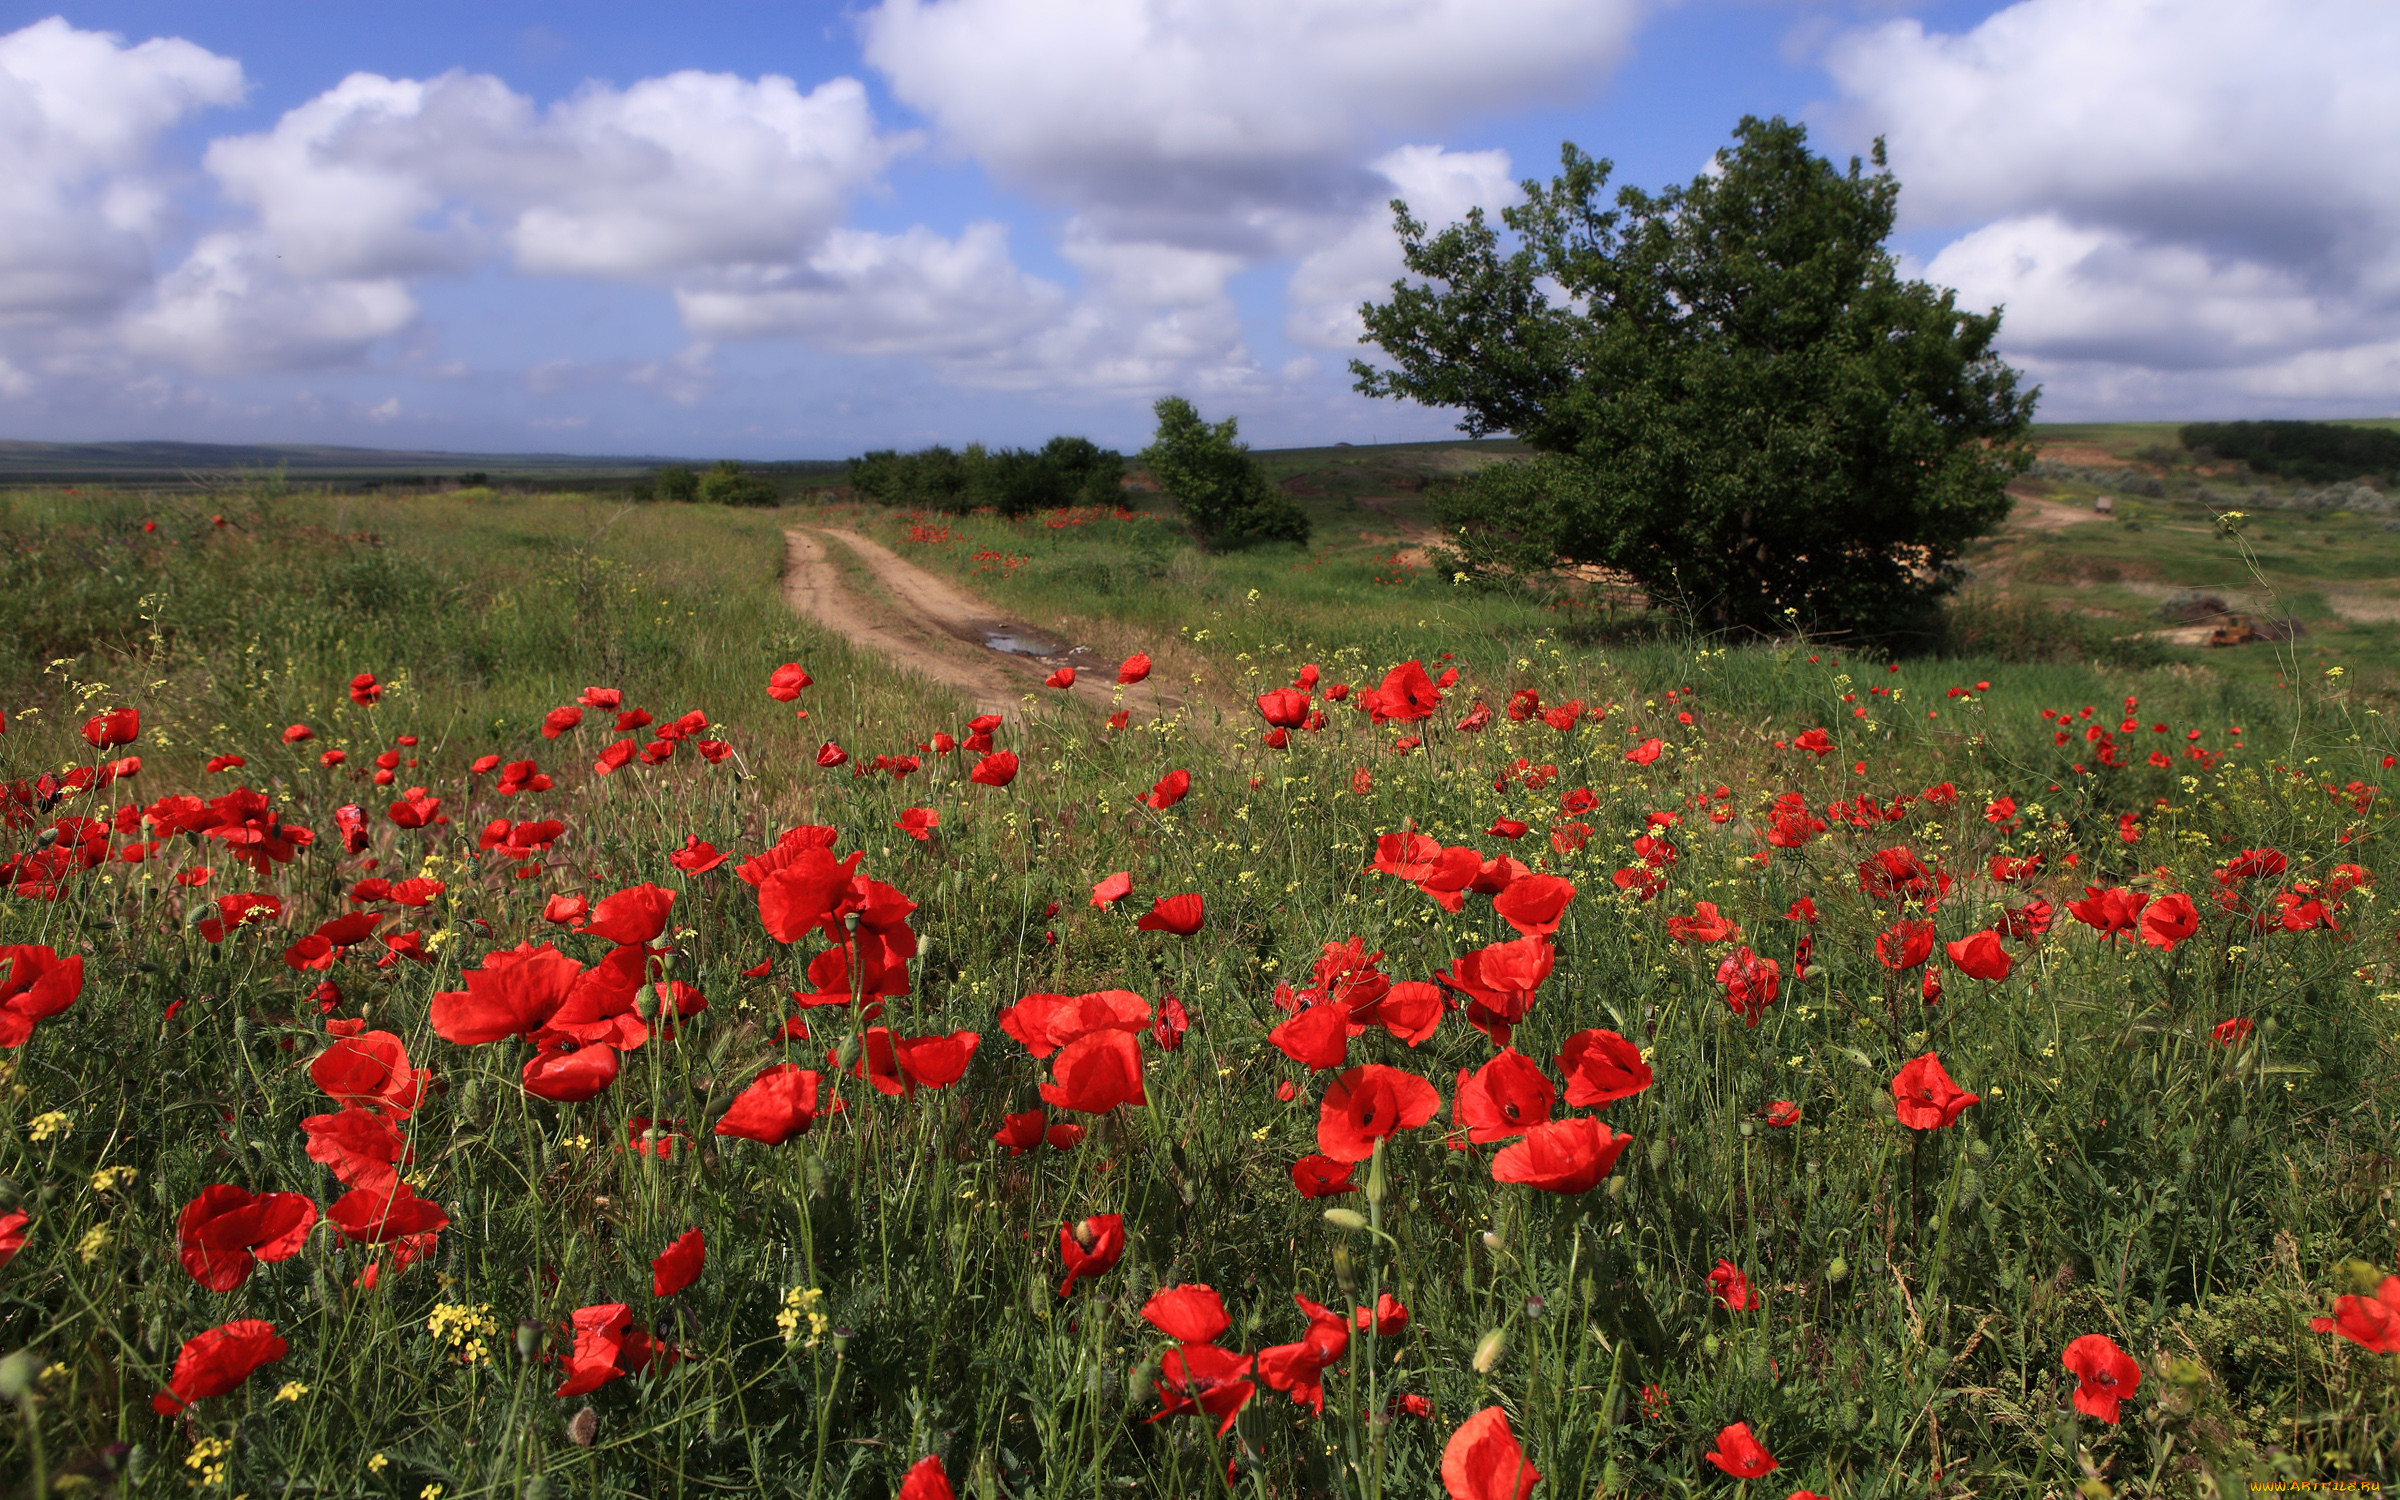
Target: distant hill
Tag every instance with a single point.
(68, 463)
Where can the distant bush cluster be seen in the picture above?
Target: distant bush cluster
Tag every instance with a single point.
(2318, 452)
(1012, 481)
(724, 482)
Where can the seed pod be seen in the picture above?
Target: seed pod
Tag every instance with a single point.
(1658, 1154)
(1346, 1218)
(1837, 1270)
(1488, 1350)
(1970, 1188)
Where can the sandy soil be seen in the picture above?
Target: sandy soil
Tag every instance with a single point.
(2033, 513)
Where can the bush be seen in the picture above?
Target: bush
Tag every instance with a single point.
(2318, 452)
(1209, 474)
(726, 483)
(678, 482)
(1013, 481)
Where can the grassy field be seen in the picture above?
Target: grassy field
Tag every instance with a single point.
(2181, 1140)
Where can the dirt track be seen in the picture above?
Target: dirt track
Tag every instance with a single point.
(931, 626)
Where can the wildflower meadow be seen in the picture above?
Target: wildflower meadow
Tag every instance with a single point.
(497, 1007)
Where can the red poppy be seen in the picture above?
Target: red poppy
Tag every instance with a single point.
(1505, 1097)
(697, 856)
(1925, 1097)
(1064, 677)
(1368, 1103)
(364, 1148)
(1284, 708)
(607, 1345)
(1741, 1455)
(1410, 1011)
(1113, 889)
(1732, 1289)
(1317, 1038)
(215, 1362)
(1315, 1176)
(1979, 955)
(1045, 1022)
(2231, 1033)
(566, 910)
(1173, 1021)
(926, 1480)
(2168, 920)
(1089, 1248)
(373, 1215)
(12, 1233)
(1751, 984)
(566, 1071)
(1645, 752)
(1171, 789)
(637, 914)
(2022, 924)
(2372, 1323)
(935, 1062)
(240, 909)
(1782, 1113)
(1534, 904)
(918, 823)
(370, 1069)
(1564, 1156)
(35, 984)
(1507, 828)
(996, 769)
(1134, 668)
(227, 1229)
(1483, 1461)
(1095, 1073)
(1298, 1369)
(2108, 912)
(1180, 915)
(785, 682)
(1601, 1067)
(1904, 945)
(1499, 981)
(1407, 695)
(1202, 1378)
(678, 1266)
(1388, 1318)
(1704, 925)
(830, 755)
(780, 1103)
(2104, 1374)
(514, 993)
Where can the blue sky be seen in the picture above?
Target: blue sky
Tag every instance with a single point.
(807, 230)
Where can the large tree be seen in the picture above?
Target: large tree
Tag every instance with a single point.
(1732, 394)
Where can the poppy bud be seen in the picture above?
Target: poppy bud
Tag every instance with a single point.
(17, 1372)
(1494, 1344)
(1658, 1154)
(1378, 1186)
(529, 1339)
(538, 1487)
(1837, 1270)
(1346, 1218)
(1344, 1276)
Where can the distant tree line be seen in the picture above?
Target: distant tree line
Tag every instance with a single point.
(724, 482)
(2317, 452)
(1013, 481)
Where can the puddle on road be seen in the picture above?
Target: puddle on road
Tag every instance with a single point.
(1018, 642)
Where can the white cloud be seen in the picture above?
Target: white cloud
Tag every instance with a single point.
(231, 307)
(81, 117)
(1361, 263)
(2202, 186)
(866, 293)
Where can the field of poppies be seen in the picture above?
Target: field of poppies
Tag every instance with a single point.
(495, 1008)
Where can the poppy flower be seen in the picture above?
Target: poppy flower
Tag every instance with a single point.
(239, 909)
(1924, 1096)
(779, 1103)
(785, 682)
(1283, 708)
(1751, 983)
(2022, 924)
(2108, 912)
(1505, 1097)
(2372, 1323)
(2104, 1374)
(227, 1229)
(1113, 889)
(1483, 1461)
(931, 1062)
(1173, 1021)
(12, 1233)
(1298, 1369)
(1534, 904)
(514, 993)
(1368, 1103)
(604, 1336)
(1645, 752)
(1781, 1114)
(1499, 981)
(1741, 1455)
(1203, 1379)
(1979, 956)
(2231, 1033)
(1388, 1318)
(1064, 677)
(678, 1266)
(1601, 1067)
(1732, 1289)
(1045, 1023)
(566, 910)
(926, 1480)
(370, 1069)
(1089, 1248)
(1507, 828)
(374, 1215)
(1704, 925)
(1410, 1011)
(637, 914)
(1563, 1156)
(1095, 1073)
(363, 1147)
(918, 823)
(1315, 1176)
(1180, 915)
(1170, 789)
(35, 984)
(1134, 668)
(1904, 945)
(1407, 695)
(1317, 1038)
(830, 755)
(1192, 1313)
(566, 1071)
(995, 770)
(2168, 920)
(218, 1361)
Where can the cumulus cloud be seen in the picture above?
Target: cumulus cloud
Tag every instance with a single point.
(1360, 263)
(2196, 198)
(232, 308)
(884, 294)
(81, 119)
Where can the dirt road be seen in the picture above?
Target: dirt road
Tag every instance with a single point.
(937, 629)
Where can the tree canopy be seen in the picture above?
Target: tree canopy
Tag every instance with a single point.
(1732, 394)
(1209, 474)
